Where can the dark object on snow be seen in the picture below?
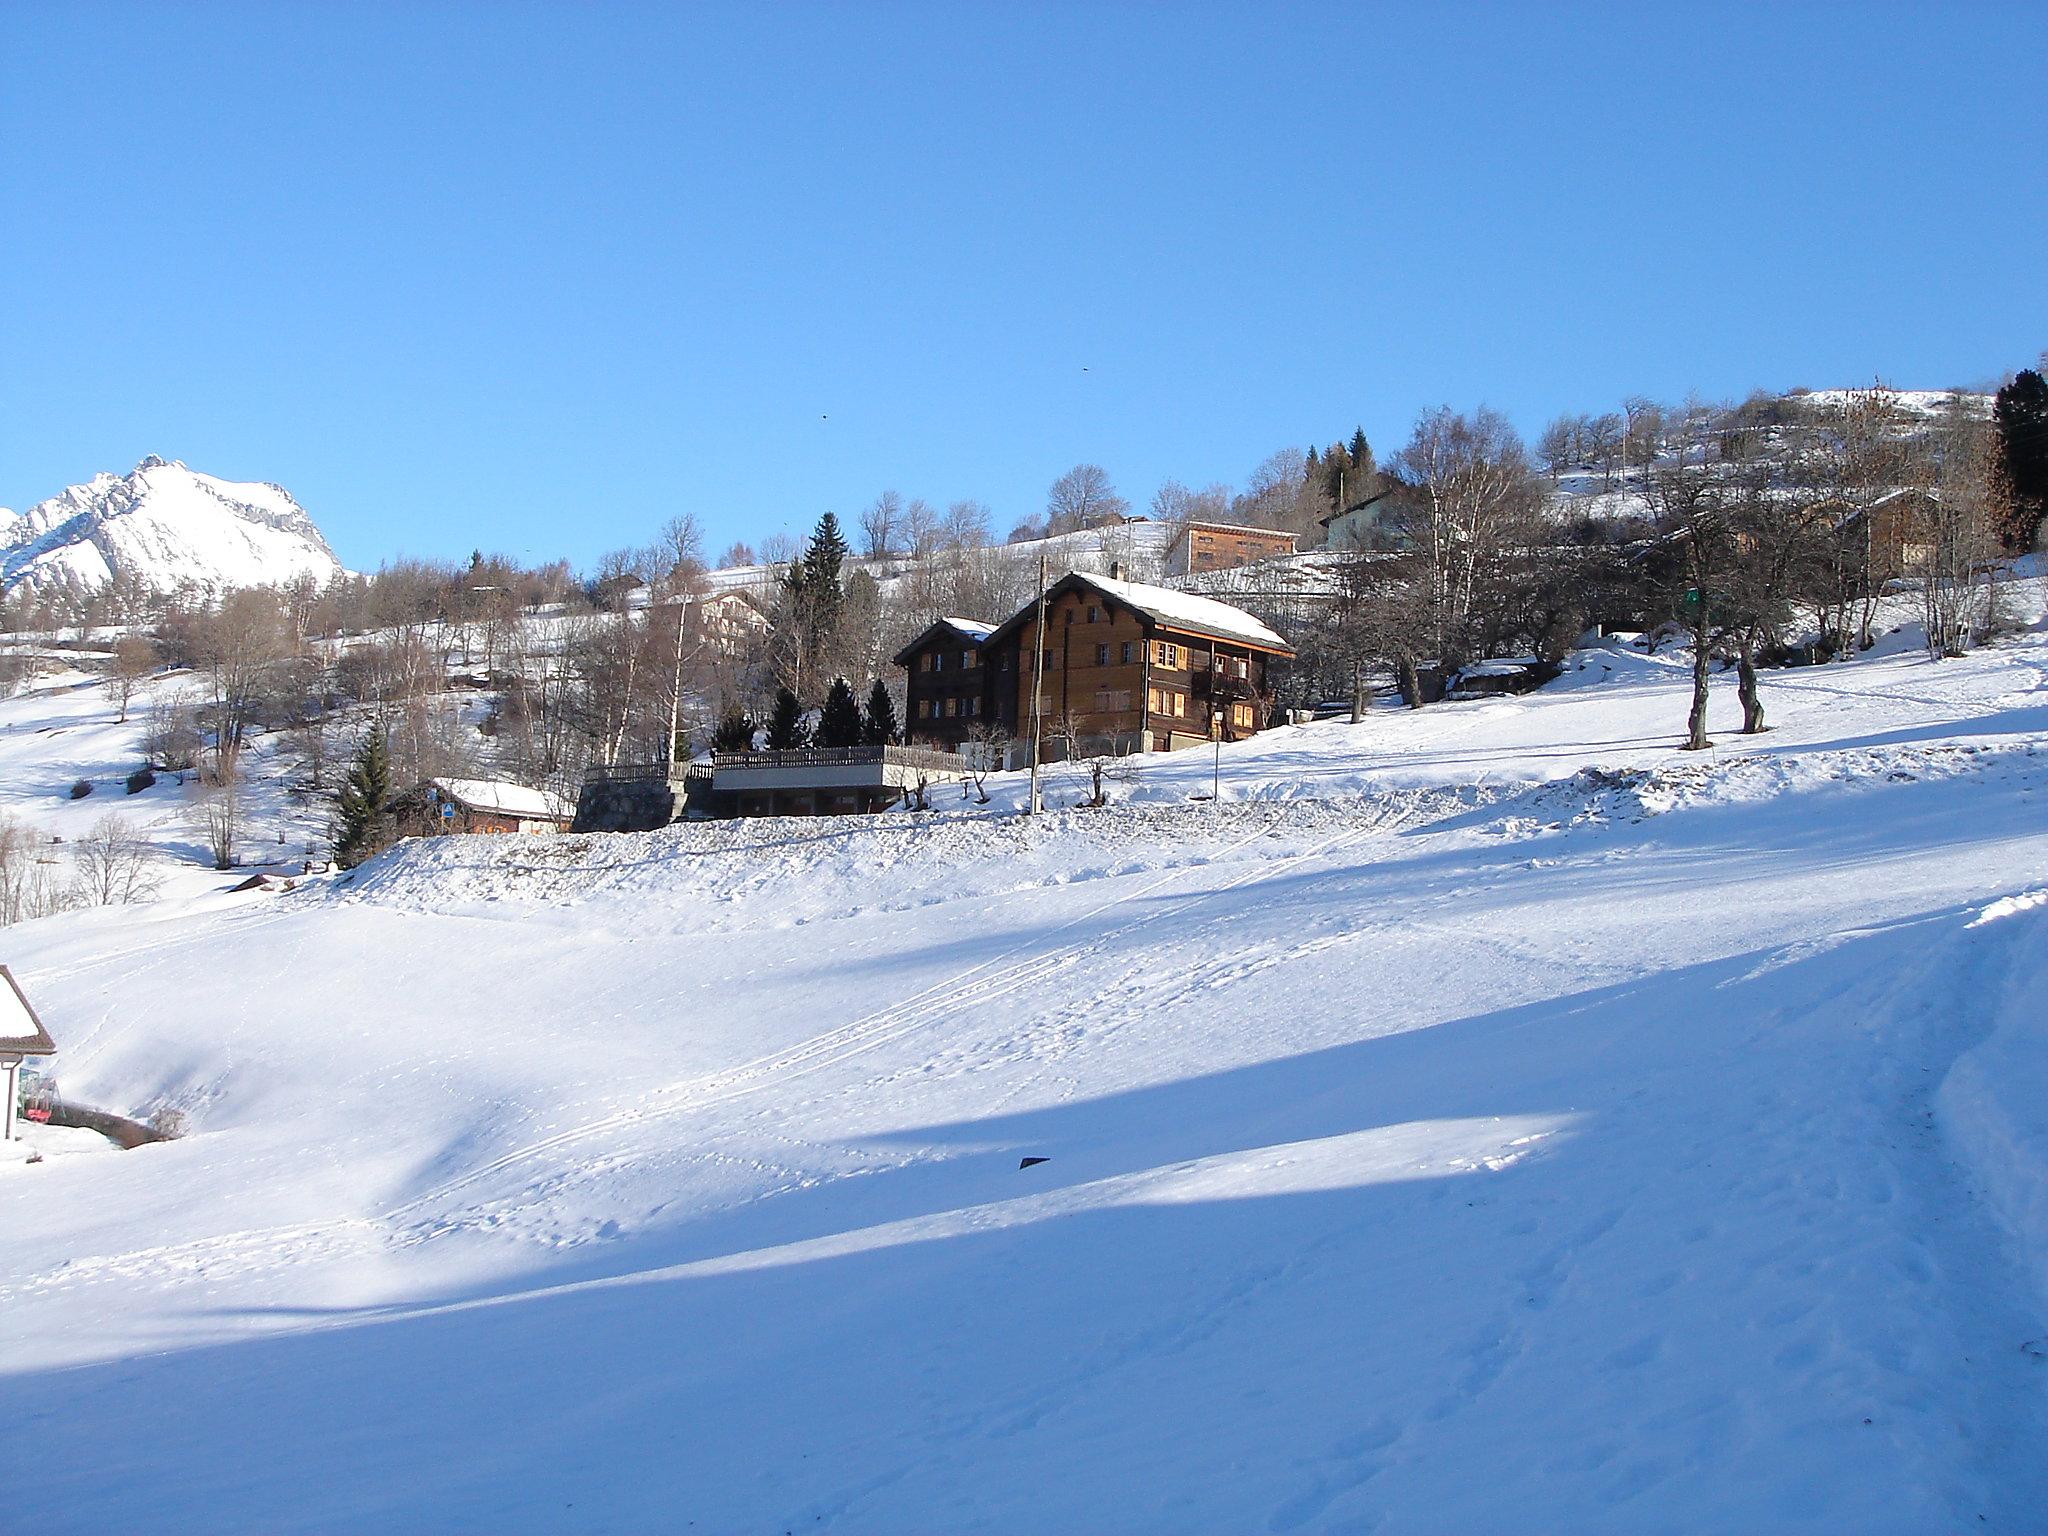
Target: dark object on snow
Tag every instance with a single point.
(119, 1129)
(261, 883)
(1031, 1162)
(81, 788)
(141, 779)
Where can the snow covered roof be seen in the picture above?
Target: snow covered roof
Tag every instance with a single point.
(967, 629)
(503, 798)
(21, 1032)
(1187, 610)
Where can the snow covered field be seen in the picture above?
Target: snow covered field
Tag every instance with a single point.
(1483, 1119)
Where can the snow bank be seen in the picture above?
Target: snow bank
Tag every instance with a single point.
(1994, 1102)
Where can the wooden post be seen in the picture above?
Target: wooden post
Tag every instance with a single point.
(1038, 689)
(12, 1076)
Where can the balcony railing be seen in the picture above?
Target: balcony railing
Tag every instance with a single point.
(842, 757)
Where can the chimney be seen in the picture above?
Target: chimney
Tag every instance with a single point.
(1116, 570)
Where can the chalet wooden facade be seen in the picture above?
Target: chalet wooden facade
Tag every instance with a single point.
(1125, 666)
(1200, 547)
(946, 697)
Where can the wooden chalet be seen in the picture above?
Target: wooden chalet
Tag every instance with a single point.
(481, 805)
(1126, 666)
(1201, 546)
(947, 693)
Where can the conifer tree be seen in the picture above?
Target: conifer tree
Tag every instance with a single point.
(840, 724)
(734, 733)
(786, 728)
(365, 823)
(880, 725)
(2021, 411)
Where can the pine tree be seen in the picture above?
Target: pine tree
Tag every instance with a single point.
(2021, 411)
(880, 726)
(824, 558)
(786, 728)
(365, 822)
(734, 733)
(840, 724)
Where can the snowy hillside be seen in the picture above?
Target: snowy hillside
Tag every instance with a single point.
(160, 528)
(1484, 1118)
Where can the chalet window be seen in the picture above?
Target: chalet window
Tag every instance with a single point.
(924, 662)
(952, 708)
(1180, 704)
(1102, 655)
(1047, 660)
(1127, 652)
(966, 660)
(1166, 655)
(1091, 613)
(968, 707)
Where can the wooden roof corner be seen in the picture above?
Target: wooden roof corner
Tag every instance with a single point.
(16, 1012)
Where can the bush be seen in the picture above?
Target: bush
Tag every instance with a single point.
(80, 788)
(141, 779)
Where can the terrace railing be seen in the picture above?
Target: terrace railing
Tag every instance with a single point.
(842, 757)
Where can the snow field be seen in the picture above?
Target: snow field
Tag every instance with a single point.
(1484, 1119)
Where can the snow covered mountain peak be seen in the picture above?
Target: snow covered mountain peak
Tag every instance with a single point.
(161, 528)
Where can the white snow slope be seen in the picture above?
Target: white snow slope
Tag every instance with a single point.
(1484, 1119)
(163, 526)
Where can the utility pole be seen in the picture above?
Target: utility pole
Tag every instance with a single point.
(1037, 688)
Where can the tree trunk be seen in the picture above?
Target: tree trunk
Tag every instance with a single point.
(1696, 721)
(1411, 684)
(1745, 686)
(1357, 691)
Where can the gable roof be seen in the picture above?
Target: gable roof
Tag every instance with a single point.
(497, 796)
(1166, 607)
(1360, 506)
(973, 631)
(21, 1032)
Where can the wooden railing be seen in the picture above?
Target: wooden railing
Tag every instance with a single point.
(841, 757)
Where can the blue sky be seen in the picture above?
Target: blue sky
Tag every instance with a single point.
(534, 278)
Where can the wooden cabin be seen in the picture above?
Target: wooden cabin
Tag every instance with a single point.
(1128, 667)
(481, 805)
(947, 693)
(1200, 547)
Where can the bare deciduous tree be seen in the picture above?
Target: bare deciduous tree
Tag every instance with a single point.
(1082, 498)
(133, 660)
(113, 865)
(878, 525)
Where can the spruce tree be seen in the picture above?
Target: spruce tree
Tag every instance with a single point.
(840, 724)
(365, 800)
(786, 728)
(2021, 411)
(880, 725)
(734, 732)
(824, 558)
(1361, 460)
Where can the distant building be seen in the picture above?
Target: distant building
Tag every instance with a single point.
(1131, 667)
(1200, 547)
(727, 620)
(481, 805)
(945, 697)
(1380, 522)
